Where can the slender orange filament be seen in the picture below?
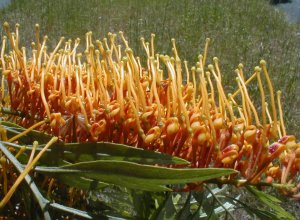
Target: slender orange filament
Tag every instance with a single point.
(263, 101)
(205, 51)
(281, 113)
(182, 105)
(79, 97)
(34, 147)
(249, 100)
(246, 108)
(154, 89)
(43, 93)
(152, 44)
(265, 71)
(222, 95)
(212, 90)
(195, 85)
(4, 173)
(140, 130)
(187, 72)
(27, 131)
(253, 76)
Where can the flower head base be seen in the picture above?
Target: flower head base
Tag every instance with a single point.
(106, 94)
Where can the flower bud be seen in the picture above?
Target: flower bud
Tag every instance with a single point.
(172, 126)
(269, 179)
(250, 134)
(201, 135)
(98, 128)
(218, 123)
(72, 105)
(291, 143)
(240, 124)
(195, 125)
(234, 138)
(130, 124)
(274, 172)
(152, 135)
(56, 120)
(297, 152)
(297, 163)
(274, 147)
(114, 110)
(147, 114)
(229, 154)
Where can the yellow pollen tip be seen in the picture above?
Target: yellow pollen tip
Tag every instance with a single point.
(263, 62)
(279, 92)
(129, 50)
(6, 25)
(257, 69)
(215, 59)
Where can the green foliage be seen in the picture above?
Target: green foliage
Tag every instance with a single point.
(272, 202)
(82, 152)
(133, 175)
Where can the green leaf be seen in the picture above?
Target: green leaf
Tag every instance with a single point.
(262, 214)
(166, 210)
(199, 198)
(62, 154)
(81, 152)
(135, 176)
(222, 206)
(185, 211)
(209, 208)
(81, 182)
(10, 124)
(271, 202)
(143, 203)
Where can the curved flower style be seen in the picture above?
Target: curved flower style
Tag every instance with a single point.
(108, 94)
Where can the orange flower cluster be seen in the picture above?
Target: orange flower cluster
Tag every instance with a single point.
(108, 94)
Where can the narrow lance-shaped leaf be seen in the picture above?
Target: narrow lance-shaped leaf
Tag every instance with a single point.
(136, 176)
(262, 214)
(271, 202)
(81, 152)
